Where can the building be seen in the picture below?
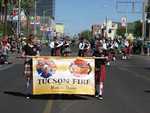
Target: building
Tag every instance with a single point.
(96, 29)
(60, 29)
(111, 28)
(43, 17)
(44, 8)
(106, 30)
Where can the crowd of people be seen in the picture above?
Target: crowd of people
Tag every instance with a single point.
(60, 46)
(109, 48)
(99, 48)
(12, 45)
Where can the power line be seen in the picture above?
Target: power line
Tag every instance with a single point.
(131, 3)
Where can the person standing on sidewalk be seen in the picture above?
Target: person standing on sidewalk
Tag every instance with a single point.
(5, 48)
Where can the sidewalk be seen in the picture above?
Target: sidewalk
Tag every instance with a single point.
(11, 59)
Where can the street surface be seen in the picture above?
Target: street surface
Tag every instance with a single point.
(127, 90)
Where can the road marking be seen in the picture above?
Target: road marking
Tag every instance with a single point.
(6, 67)
(48, 107)
(134, 73)
(67, 107)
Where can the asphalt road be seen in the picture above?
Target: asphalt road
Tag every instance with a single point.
(127, 90)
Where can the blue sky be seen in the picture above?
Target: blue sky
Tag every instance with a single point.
(78, 15)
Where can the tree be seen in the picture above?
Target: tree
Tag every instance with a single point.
(87, 34)
(5, 7)
(27, 5)
(137, 29)
(121, 31)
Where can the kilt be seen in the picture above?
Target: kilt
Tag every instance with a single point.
(100, 74)
(28, 68)
(67, 50)
(97, 76)
(103, 73)
(57, 52)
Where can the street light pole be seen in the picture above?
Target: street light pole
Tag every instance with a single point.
(143, 27)
(19, 19)
(126, 27)
(143, 19)
(35, 6)
(106, 19)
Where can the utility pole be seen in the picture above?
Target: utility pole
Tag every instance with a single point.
(126, 26)
(106, 26)
(148, 22)
(43, 37)
(143, 26)
(143, 21)
(35, 7)
(19, 19)
(133, 6)
(5, 16)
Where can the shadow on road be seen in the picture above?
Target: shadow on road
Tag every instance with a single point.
(147, 68)
(147, 91)
(46, 97)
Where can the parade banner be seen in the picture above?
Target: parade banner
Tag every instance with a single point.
(60, 75)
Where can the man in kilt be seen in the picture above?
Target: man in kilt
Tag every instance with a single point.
(29, 50)
(100, 71)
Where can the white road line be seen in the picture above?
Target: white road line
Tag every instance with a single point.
(6, 67)
(134, 73)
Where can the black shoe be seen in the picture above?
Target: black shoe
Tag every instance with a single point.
(96, 96)
(100, 97)
(27, 97)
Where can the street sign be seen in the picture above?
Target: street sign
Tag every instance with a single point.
(123, 21)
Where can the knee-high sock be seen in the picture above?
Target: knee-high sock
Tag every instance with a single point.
(101, 86)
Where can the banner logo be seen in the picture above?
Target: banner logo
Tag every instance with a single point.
(80, 68)
(46, 68)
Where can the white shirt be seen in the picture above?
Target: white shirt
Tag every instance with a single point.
(60, 43)
(81, 45)
(116, 45)
(126, 43)
(105, 46)
(51, 45)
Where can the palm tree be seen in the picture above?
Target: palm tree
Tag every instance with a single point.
(27, 5)
(5, 2)
(4, 5)
(1, 9)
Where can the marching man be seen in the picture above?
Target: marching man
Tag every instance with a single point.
(100, 71)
